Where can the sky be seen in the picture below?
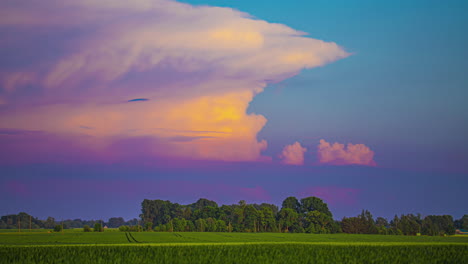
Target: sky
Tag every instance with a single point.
(106, 103)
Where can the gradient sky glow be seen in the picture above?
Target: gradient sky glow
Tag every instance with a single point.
(361, 103)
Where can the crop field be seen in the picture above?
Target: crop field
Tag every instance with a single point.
(74, 246)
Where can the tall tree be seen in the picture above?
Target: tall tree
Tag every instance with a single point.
(318, 222)
(292, 203)
(267, 220)
(287, 217)
(202, 203)
(252, 217)
(462, 223)
(437, 225)
(200, 225)
(49, 222)
(314, 204)
(115, 222)
(156, 211)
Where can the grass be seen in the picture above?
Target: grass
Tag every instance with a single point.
(120, 247)
(73, 237)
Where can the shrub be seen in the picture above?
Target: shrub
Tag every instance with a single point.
(58, 228)
(86, 228)
(98, 227)
(149, 226)
(124, 228)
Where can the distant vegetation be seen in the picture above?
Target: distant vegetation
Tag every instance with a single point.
(308, 215)
(25, 221)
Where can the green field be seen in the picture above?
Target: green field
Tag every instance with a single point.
(75, 246)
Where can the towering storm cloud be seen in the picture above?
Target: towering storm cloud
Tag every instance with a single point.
(175, 76)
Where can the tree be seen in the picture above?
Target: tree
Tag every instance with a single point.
(382, 225)
(267, 220)
(98, 227)
(351, 225)
(202, 203)
(362, 224)
(287, 217)
(273, 207)
(410, 224)
(211, 225)
(381, 222)
(221, 226)
(251, 219)
(292, 203)
(437, 225)
(239, 217)
(86, 228)
(148, 226)
(50, 222)
(156, 211)
(462, 223)
(58, 228)
(124, 228)
(179, 224)
(200, 225)
(314, 204)
(368, 223)
(115, 222)
(318, 222)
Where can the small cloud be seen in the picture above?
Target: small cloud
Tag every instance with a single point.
(338, 154)
(17, 132)
(86, 127)
(15, 80)
(293, 154)
(138, 100)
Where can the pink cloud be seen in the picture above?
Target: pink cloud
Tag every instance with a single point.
(333, 195)
(199, 66)
(293, 154)
(338, 154)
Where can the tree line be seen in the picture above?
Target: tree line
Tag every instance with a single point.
(26, 221)
(307, 215)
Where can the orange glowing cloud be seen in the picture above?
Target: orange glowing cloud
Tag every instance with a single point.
(338, 154)
(293, 154)
(199, 67)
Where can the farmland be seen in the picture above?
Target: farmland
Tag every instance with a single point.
(74, 246)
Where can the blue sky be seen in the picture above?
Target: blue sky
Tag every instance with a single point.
(402, 90)
(401, 94)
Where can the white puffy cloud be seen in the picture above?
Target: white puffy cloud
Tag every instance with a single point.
(338, 154)
(293, 154)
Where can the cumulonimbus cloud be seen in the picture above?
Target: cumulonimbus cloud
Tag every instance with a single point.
(338, 154)
(293, 154)
(75, 64)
